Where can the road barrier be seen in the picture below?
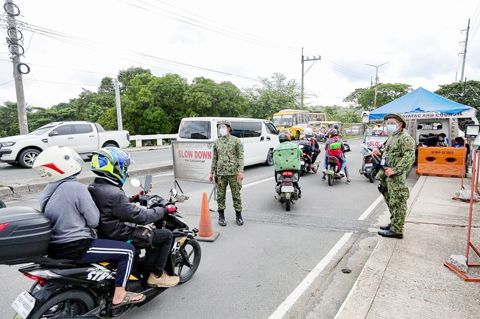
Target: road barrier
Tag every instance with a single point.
(474, 192)
(159, 138)
(441, 161)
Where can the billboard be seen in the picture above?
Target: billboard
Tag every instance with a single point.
(192, 161)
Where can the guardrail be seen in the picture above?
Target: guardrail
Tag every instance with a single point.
(159, 138)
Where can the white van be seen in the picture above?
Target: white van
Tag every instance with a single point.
(259, 137)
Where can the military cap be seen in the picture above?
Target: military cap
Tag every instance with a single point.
(397, 117)
(224, 122)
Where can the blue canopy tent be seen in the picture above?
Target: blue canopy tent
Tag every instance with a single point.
(422, 103)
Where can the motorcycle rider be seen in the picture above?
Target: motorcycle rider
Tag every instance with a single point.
(74, 215)
(335, 147)
(314, 148)
(284, 138)
(118, 213)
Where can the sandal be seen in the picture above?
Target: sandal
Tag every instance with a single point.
(129, 299)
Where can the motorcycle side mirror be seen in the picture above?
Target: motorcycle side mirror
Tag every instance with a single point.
(173, 193)
(148, 184)
(135, 182)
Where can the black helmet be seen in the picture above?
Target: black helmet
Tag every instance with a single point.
(333, 132)
(284, 136)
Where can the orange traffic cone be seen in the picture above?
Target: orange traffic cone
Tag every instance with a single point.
(205, 232)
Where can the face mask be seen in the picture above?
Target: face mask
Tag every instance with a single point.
(391, 128)
(222, 131)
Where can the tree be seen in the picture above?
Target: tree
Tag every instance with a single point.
(342, 114)
(204, 97)
(275, 94)
(125, 77)
(363, 98)
(8, 119)
(467, 93)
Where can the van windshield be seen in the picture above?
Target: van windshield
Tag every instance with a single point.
(197, 130)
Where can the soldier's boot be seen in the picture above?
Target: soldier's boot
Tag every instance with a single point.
(221, 218)
(239, 218)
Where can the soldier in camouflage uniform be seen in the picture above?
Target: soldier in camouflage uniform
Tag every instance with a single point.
(398, 156)
(227, 168)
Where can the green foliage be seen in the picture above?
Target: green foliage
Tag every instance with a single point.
(364, 98)
(275, 94)
(8, 119)
(467, 93)
(342, 114)
(153, 105)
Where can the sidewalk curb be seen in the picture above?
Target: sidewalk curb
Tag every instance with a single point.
(360, 298)
(38, 186)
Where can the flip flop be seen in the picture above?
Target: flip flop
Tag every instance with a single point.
(129, 299)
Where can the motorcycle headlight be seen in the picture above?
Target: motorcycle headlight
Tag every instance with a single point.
(7, 144)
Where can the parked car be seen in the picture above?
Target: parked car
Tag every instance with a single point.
(259, 137)
(83, 137)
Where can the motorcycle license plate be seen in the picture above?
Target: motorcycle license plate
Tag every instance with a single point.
(288, 189)
(23, 305)
(368, 165)
(302, 163)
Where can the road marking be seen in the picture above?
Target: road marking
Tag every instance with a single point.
(164, 174)
(370, 208)
(309, 279)
(255, 183)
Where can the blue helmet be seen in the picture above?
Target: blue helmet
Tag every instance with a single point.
(111, 162)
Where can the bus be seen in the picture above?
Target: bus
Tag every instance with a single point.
(295, 121)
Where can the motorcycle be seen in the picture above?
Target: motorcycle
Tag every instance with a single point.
(287, 188)
(63, 289)
(334, 167)
(306, 165)
(370, 165)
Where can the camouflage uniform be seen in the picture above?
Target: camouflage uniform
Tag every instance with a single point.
(399, 154)
(226, 163)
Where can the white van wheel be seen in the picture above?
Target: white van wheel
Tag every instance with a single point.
(269, 161)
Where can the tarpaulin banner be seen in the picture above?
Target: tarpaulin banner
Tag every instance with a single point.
(192, 160)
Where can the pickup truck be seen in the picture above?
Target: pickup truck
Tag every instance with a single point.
(83, 137)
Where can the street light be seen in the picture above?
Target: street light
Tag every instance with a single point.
(376, 70)
(376, 82)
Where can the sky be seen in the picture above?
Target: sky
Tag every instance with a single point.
(71, 45)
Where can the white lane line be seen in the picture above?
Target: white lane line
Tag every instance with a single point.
(255, 183)
(164, 174)
(309, 279)
(370, 208)
(258, 182)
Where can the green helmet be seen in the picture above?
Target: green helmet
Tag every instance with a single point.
(111, 162)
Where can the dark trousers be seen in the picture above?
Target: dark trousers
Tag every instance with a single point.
(120, 252)
(157, 256)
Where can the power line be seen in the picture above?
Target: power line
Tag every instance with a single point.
(212, 27)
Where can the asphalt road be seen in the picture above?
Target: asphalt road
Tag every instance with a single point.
(14, 174)
(249, 271)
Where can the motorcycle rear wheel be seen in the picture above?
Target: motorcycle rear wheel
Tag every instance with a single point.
(183, 258)
(330, 176)
(371, 177)
(66, 304)
(288, 205)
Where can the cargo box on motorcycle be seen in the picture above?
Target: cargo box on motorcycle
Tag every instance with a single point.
(24, 235)
(285, 157)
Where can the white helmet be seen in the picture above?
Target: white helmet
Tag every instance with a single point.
(308, 132)
(57, 162)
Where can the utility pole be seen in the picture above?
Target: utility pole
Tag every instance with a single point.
(304, 58)
(118, 105)
(16, 50)
(464, 53)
